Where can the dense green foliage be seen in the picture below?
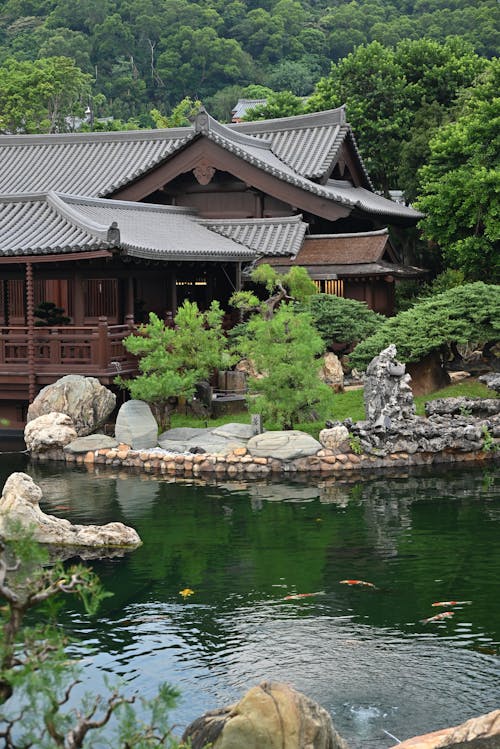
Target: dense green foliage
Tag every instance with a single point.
(340, 320)
(284, 348)
(468, 313)
(173, 360)
(146, 54)
(461, 184)
(37, 677)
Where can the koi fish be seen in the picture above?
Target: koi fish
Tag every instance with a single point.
(438, 617)
(186, 592)
(61, 507)
(300, 595)
(450, 603)
(358, 582)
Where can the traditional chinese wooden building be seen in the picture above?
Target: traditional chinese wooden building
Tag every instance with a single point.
(110, 226)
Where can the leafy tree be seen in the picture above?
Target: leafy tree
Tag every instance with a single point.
(372, 84)
(295, 285)
(36, 677)
(173, 360)
(282, 104)
(38, 96)
(461, 191)
(340, 320)
(180, 116)
(283, 344)
(460, 315)
(284, 348)
(295, 76)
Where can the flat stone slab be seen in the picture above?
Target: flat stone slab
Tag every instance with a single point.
(283, 445)
(219, 441)
(239, 431)
(208, 444)
(182, 434)
(91, 442)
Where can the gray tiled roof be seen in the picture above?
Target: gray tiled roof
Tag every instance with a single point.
(272, 236)
(309, 143)
(94, 164)
(41, 224)
(293, 150)
(243, 105)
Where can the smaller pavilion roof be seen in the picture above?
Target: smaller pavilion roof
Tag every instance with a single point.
(54, 223)
(347, 255)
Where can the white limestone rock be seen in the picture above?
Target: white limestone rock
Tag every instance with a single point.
(83, 399)
(334, 437)
(48, 432)
(331, 372)
(19, 504)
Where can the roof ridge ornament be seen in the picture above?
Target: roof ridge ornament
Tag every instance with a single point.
(114, 234)
(201, 121)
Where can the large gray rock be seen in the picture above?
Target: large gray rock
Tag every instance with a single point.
(388, 396)
(19, 505)
(491, 380)
(50, 431)
(234, 431)
(136, 426)
(269, 716)
(463, 406)
(283, 445)
(219, 441)
(83, 399)
(90, 443)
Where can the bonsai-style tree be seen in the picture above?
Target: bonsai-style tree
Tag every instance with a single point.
(48, 313)
(458, 316)
(36, 676)
(283, 345)
(342, 321)
(173, 360)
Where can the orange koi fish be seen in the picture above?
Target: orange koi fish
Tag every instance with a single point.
(295, 596)
(438, 617)
(186, 592)
(450, 603)
(358, 582)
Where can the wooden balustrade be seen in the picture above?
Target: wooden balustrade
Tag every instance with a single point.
(68, 348)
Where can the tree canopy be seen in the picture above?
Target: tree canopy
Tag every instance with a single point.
(463, 314)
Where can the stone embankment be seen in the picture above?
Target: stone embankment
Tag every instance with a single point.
(240, 462)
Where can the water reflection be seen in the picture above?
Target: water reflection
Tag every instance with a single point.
(244, 546)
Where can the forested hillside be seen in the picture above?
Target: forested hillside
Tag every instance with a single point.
(145, 54)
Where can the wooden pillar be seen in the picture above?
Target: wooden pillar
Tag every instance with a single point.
(103, 343)
(172, 295)
(30, 320)
(78, 300)
(237, 277)
(129, 298)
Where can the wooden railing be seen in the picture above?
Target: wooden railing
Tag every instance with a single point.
(68, 348)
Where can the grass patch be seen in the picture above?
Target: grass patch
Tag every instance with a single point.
(345, 405)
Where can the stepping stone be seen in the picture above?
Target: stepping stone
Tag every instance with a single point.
(90, 443)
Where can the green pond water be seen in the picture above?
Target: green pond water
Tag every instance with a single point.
(243, 547)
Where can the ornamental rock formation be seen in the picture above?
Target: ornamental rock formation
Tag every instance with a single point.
(83, 399)
(269, 716)
(19, 507)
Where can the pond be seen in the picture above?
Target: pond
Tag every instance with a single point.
(244, 548)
